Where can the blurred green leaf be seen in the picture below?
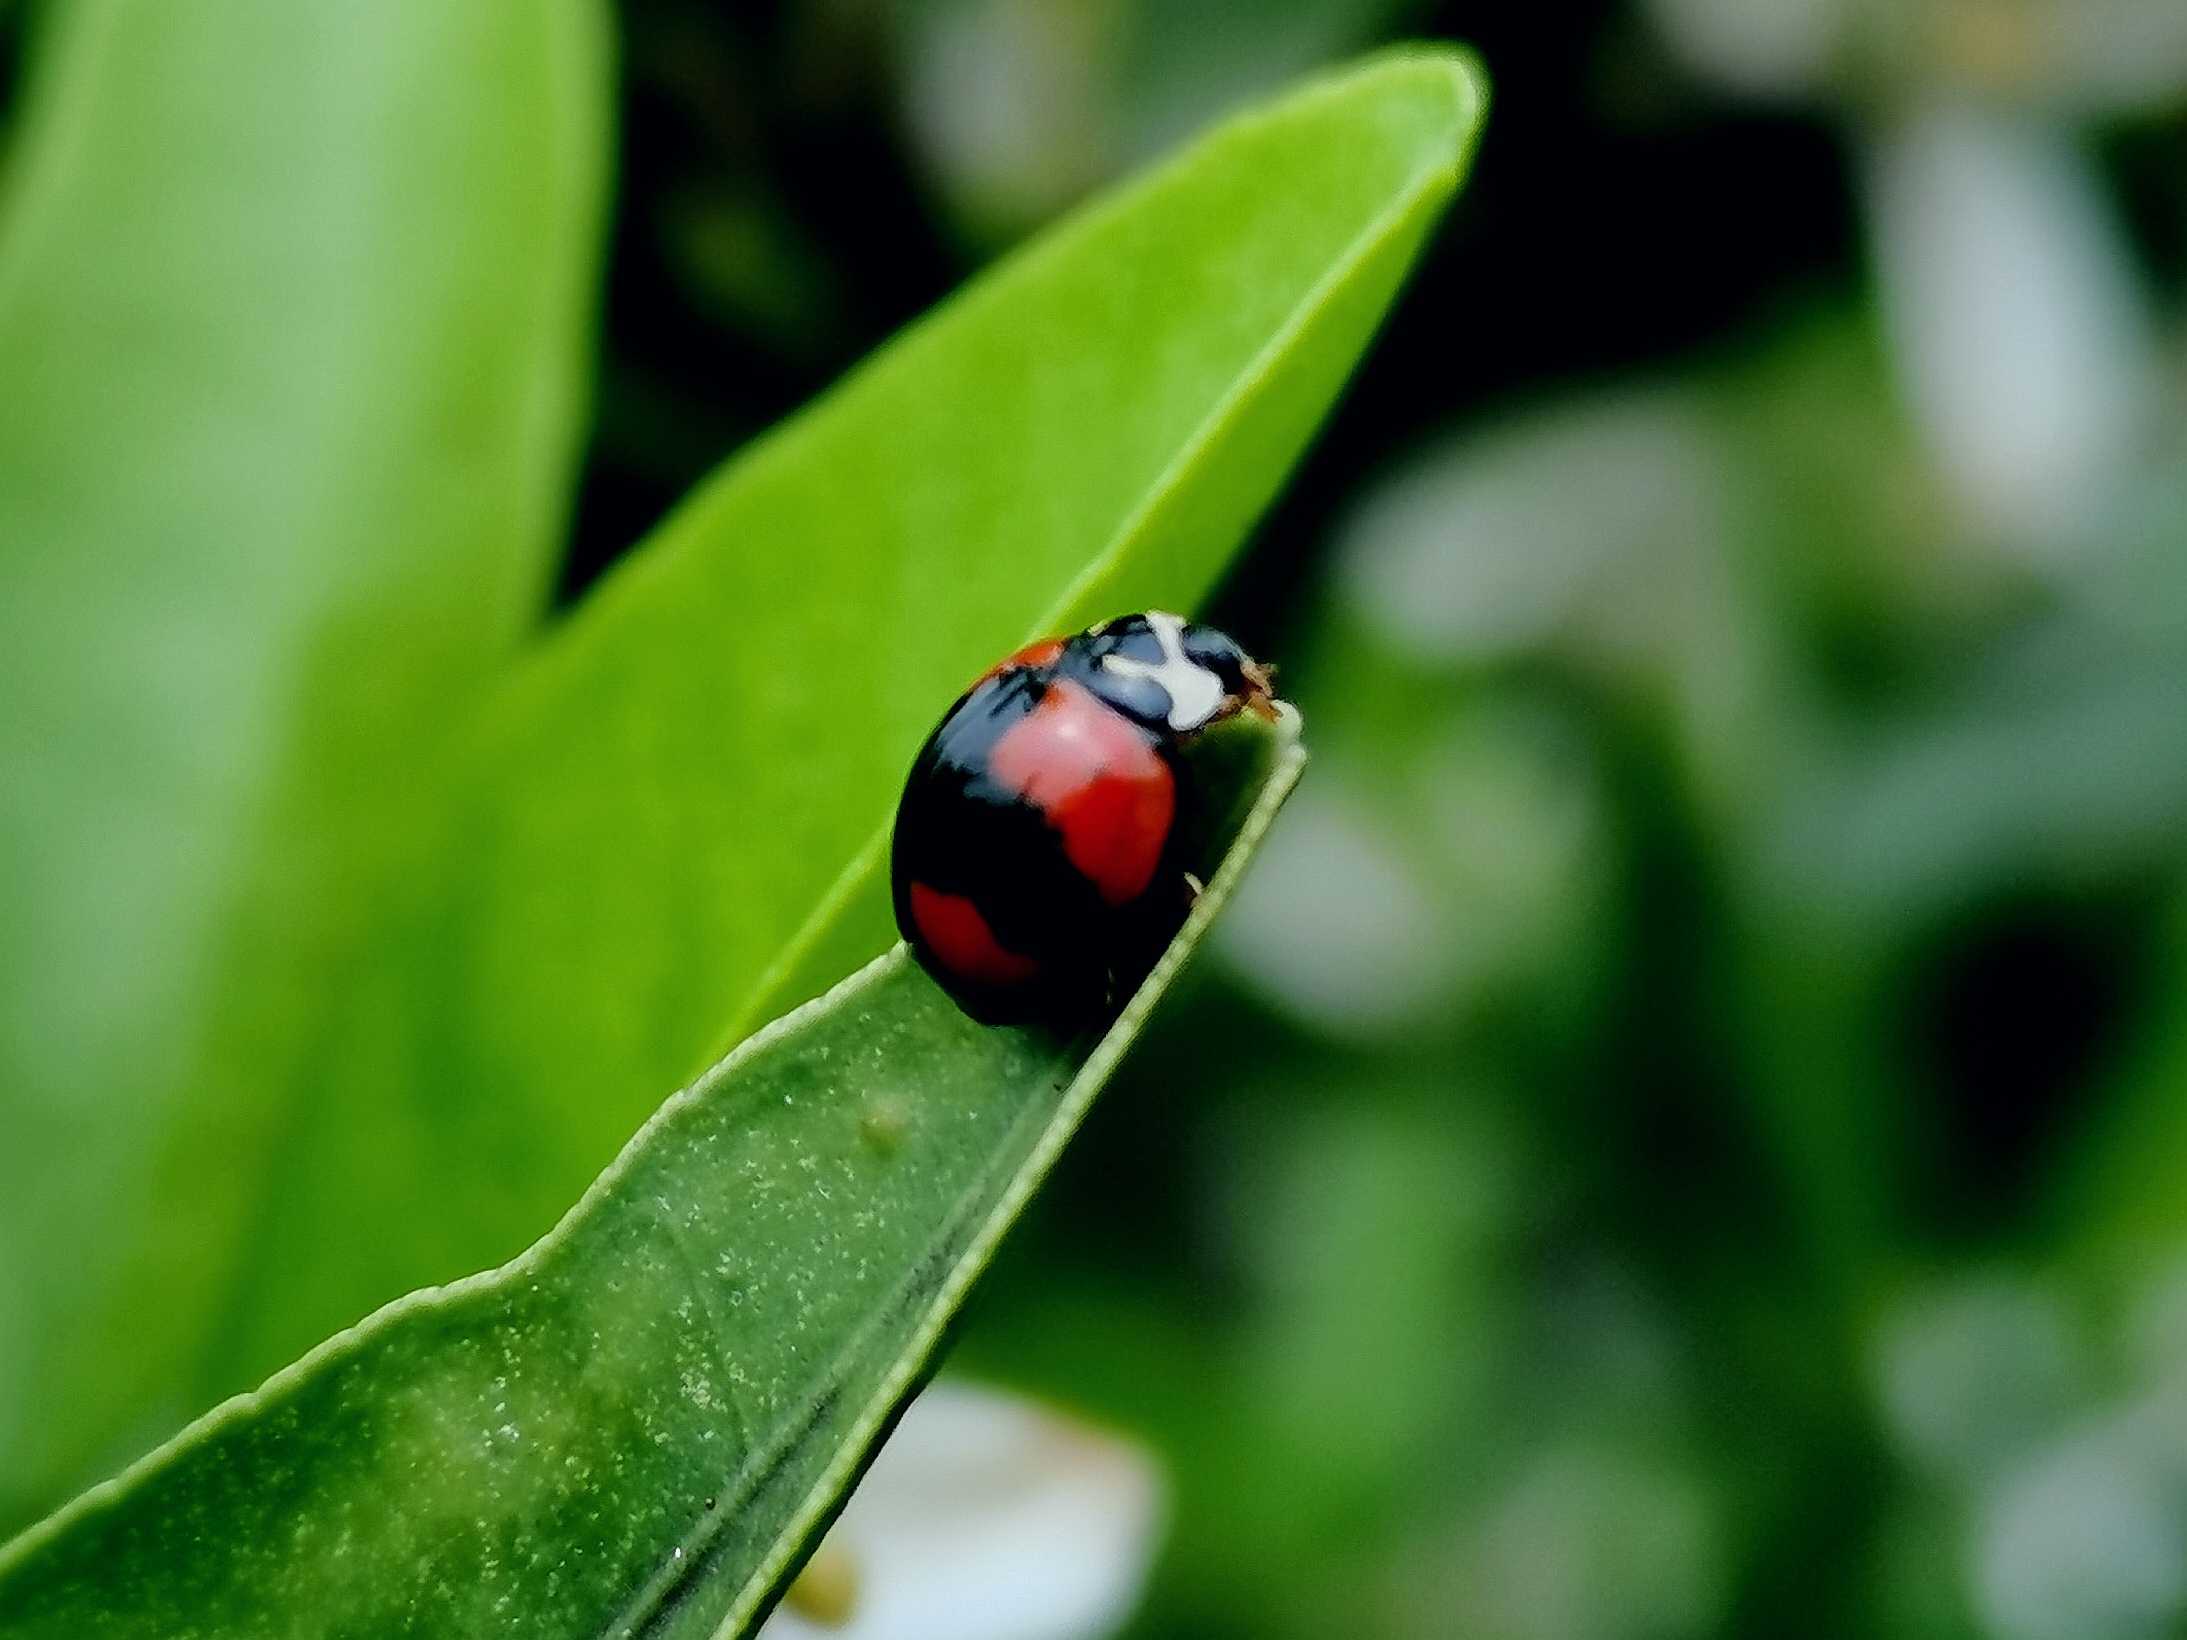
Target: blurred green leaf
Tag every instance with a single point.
(292, 325)
(638, 1425)
(674, 827)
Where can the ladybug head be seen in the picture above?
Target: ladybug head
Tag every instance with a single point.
(1168, 673)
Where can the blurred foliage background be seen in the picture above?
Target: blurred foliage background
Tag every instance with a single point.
(1686, 1133)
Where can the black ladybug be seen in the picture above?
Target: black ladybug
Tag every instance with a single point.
(1048, 837)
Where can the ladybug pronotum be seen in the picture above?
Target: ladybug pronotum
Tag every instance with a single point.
(1046, 843)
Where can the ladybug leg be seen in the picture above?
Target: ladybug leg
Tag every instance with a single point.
(1260, 690)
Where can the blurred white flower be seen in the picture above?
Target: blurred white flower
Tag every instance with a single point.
(1591, 1543)
(2022, 341)
(984, 1517)
(1369, 910)
(1335, 921)
(1974, 1375)
(1008, 101)
(2072, 56)
(2086, 1541)
(1770, 48)
(1188, 61)
(1494, 544)
(2110, 55)
(1018, 107)
(2157, 1329)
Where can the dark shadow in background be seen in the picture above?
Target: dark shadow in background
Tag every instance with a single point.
(2013, 1014)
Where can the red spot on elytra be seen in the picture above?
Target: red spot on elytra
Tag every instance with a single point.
(955, 932)
(1043, 653)
(1096, 777)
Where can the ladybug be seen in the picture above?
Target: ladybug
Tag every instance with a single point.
(1045, 848)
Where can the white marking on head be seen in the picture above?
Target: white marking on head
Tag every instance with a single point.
(1195, 693)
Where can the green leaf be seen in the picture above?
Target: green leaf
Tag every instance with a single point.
(637, 1426)
(292, 326)
(673, 829)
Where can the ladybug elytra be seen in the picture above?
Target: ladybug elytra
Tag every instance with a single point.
(1046, 846)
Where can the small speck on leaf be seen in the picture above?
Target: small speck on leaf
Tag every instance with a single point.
(884, 1122)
